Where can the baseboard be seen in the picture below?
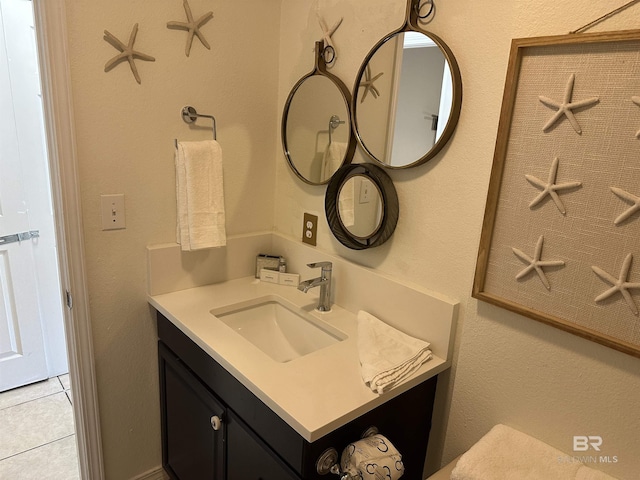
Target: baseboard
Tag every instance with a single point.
(157, 473)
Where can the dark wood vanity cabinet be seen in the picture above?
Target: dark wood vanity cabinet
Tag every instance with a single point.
(251, 442)
(193, 439)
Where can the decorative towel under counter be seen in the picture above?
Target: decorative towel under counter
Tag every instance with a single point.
(200, 195)
(387, 355)
(372, 458)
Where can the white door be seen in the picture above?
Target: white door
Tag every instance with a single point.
(22, 352)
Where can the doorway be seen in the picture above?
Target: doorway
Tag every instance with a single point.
(34, 380)
(56, 102)
(32, 338)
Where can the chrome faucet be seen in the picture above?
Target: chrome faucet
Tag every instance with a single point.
(323, 281)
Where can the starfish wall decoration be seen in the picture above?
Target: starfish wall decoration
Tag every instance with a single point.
(128, 53)
(536, 264)
(192, 26)
(619, 284)
(327, 34)
(368, 84)
(566, 107)
(631, 210)
(550, 187)
(636, 100)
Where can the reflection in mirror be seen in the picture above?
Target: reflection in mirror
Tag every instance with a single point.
(360, 206)
(317, 133)
(316, 129)
(415, 103)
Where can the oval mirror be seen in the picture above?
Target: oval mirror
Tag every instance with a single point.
(361, 205)
(316, 130)
(407, 97)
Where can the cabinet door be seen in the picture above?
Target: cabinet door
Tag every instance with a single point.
(192, 443)
(249, 458)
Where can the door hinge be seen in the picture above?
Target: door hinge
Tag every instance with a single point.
(69, 300)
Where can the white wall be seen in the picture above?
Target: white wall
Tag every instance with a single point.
(125, 135)
(507, 368)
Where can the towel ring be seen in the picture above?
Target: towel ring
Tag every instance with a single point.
(334, 122)
(190, 115)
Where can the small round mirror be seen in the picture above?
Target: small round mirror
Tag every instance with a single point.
(407, 99)
(316, 128)
(361, 204)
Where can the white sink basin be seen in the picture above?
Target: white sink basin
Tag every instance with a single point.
(279, 328)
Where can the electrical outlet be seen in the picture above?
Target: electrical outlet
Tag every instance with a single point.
(112, 207)
(310, 229)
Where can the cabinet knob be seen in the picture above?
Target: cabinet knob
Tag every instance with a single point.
(216, 422)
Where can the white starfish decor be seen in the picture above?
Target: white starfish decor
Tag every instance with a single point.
(631, 210)
(327, 34)
(368, 84)
(128, 53)
(619, 284)
(550, 187)
(566, 106)
(536, 264)
(192, 26)
(636, 100)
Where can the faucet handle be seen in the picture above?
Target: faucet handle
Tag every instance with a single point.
(323, 265)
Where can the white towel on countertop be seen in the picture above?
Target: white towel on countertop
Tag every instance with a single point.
(387, 355)
(507, 454)
(200, 195)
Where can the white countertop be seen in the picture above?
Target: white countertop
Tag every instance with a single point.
(315, 394)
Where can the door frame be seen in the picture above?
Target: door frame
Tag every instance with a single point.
(51, 34)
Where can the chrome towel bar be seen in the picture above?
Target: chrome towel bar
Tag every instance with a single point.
(190, 115)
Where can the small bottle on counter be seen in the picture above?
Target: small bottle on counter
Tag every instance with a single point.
(282, 265)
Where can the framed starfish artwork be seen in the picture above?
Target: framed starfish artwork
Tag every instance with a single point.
(560, 240)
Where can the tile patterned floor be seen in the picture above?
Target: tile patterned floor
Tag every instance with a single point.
(37, 438)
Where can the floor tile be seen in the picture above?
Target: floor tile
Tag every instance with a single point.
(29, 392)
(64, 379)
(54, 461)
(29, 425)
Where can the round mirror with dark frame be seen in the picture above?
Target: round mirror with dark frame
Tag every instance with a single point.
(317, 136)
(407, 95)
(361, 205)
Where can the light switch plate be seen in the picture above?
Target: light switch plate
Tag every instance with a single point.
(310, 229)
(112, 208)
(365, 190)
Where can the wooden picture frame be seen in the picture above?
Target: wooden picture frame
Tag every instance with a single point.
(588, 155)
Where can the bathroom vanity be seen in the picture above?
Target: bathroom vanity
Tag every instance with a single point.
(215, 428)
(235, 408)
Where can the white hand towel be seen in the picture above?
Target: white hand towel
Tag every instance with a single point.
(346, 203)
(200, 195)
(332, 159)
(387, 355)
(507, 454)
